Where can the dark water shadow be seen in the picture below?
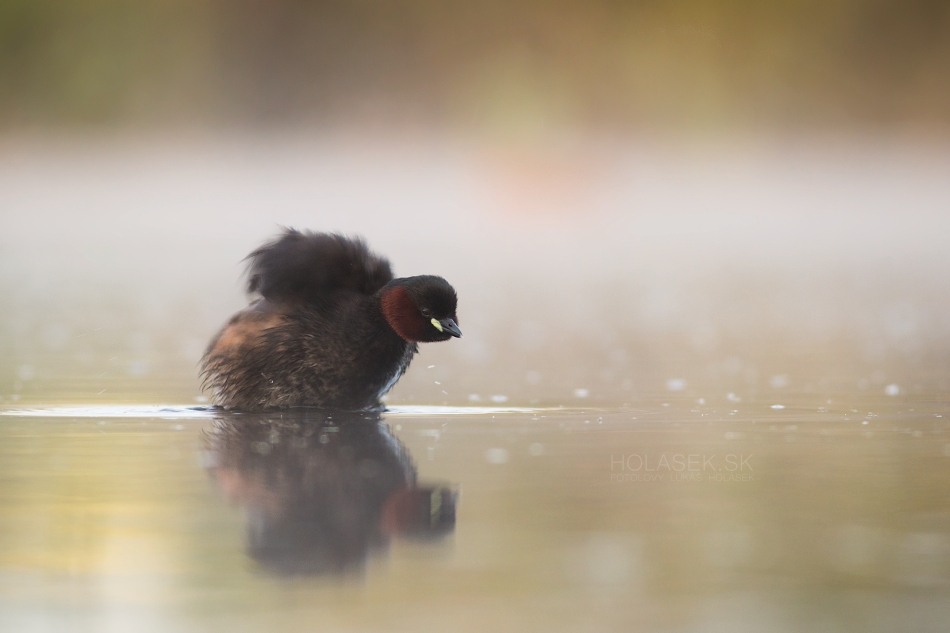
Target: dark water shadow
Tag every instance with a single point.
(323, 490)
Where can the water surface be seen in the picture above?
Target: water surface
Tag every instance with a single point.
(673, 515)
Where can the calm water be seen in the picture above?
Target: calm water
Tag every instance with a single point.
(674, 515)
(700, 389)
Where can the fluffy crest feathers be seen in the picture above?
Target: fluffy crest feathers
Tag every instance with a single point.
(307, 265)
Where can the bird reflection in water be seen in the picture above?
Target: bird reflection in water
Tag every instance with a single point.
(322, 490)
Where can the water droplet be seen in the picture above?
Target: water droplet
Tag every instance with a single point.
(496, 455)
(675, 384)
(892, 390)
(581, 393)
(779, 381)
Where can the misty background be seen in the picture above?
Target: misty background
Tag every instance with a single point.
(631, 197)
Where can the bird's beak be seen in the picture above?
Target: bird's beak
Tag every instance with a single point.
(447, 325)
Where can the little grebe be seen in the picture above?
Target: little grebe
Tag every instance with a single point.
(331, 328)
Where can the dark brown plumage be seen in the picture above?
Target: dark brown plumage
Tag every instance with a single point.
(331, 328)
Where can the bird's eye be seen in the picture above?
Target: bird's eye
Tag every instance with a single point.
(426, 312)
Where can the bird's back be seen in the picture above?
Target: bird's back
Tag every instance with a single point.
(309, 266)
(313, 338)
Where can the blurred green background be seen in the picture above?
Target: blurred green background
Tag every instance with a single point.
(496, 67)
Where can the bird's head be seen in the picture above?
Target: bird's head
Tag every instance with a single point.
(421, 309)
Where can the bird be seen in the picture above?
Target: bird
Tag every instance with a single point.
(330, 327)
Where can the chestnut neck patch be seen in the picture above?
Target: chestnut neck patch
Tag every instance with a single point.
(402, 315)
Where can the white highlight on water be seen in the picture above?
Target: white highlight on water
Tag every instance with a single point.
(496, 455)
(675, 384)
